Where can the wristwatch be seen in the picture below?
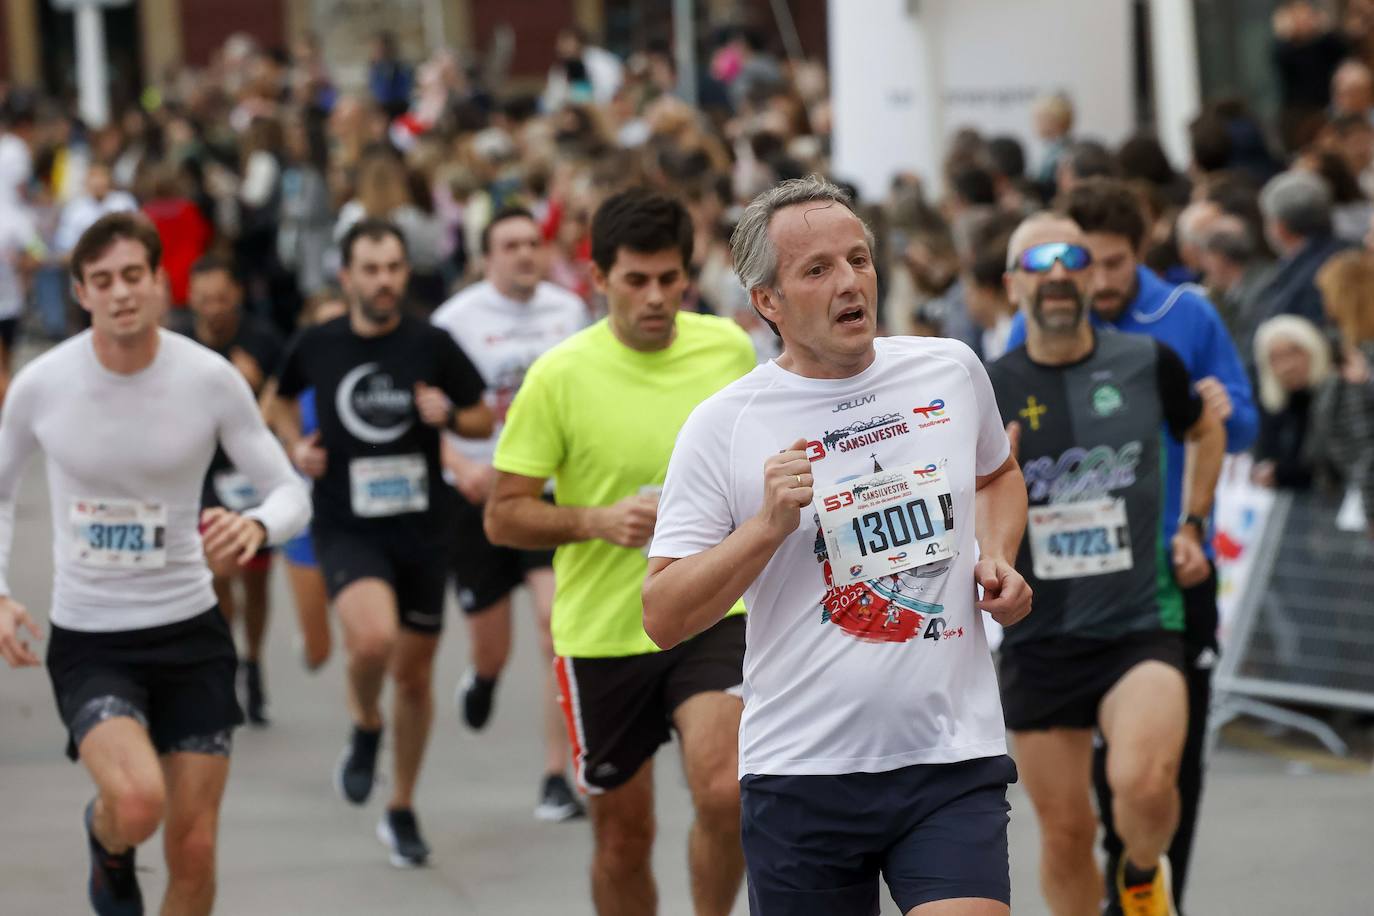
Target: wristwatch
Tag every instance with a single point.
(1197, 521)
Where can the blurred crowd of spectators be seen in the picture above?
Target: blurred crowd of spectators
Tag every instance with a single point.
(263, 158)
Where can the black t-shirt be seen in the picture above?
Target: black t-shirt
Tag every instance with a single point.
(383, 461)
(260, 341)
(1092, 452)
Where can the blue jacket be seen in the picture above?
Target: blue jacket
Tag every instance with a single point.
(1181, 317)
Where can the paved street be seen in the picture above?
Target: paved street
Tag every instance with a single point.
(1283, 833)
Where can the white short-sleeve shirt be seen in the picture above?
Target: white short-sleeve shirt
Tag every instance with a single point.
(889, 672)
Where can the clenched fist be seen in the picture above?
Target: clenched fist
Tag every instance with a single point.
(787, 489)
(309, 457)
(433, 405)
(628, 523)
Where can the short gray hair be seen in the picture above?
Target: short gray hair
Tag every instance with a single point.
(751, 247)
(1300, 200)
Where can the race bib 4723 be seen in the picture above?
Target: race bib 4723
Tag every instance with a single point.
(1072, 540)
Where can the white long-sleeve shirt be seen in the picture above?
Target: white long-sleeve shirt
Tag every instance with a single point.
(126, 460)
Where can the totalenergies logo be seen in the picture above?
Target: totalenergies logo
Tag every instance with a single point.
(926, 471)
(932, 414)
(935, 408)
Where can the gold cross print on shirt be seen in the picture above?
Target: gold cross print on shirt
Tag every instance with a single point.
(1033, 411)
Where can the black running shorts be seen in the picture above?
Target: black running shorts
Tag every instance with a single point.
(620, 710)
(176, 679)
(413, 565)
(483, 573)
(817, 844)
(1060, 683)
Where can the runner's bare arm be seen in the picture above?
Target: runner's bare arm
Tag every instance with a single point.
(1000, 522)
(683, 597)
(1204, 449)
(17, 444)
(1000, 511)
(475, 422)
(518, 516)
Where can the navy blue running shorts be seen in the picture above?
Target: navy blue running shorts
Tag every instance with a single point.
(817, 844)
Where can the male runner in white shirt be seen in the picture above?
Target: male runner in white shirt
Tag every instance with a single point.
(141, 660)
(503, 324)
(855, 492)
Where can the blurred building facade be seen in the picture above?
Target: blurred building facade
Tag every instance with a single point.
(147, 38)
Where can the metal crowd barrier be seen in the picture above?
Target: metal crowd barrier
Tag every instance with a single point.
(1302, 629)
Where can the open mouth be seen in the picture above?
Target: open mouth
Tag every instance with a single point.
(851, 316)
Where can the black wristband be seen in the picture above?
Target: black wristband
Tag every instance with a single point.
(1197, 521)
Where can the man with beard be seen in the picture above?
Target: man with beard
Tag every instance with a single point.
(1125, 295)
(1104, 648)
(872, 740)
(386, 385)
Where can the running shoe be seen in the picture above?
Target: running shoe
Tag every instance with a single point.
(1152, 898)
(475, 696)
(399, 832)
(254, 698)
(113, 886)
(357, 769)
(557, 801)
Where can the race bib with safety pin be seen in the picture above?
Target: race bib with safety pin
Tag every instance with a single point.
(235, 491)
(1073, 540)
(119, 533)
(887, 522)
(389, 486)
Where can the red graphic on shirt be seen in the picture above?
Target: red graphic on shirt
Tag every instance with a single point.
(861, 611)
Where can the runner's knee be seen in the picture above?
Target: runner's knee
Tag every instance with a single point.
(191, 853)
(372, 647)
(1066, 836)
(624, 845)
(137, 811)
(717, 804)
(414, 682)
(1143, 781)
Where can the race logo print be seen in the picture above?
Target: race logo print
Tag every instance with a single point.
(933, 414)
(371, 407)
(1081, 473)
(859, 434)
(889, 608)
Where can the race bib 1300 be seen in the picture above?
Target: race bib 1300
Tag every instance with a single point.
(887, 522)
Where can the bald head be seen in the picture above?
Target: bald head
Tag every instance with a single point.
(1195, 222)
(1352, 88)
(1039, 229)
(1054, 300)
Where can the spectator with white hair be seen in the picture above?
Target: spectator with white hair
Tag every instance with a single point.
(1292, 361)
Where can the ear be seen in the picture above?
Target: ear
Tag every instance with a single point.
(599, 279)
(79, 294)
(765, 301)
